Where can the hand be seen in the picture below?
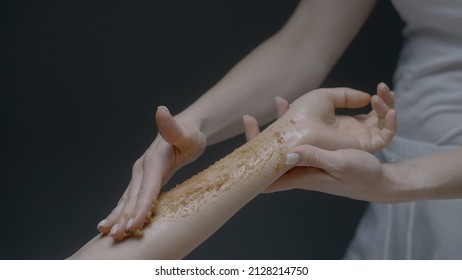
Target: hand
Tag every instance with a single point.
(346, 172)
(313, 114)
(175, 146)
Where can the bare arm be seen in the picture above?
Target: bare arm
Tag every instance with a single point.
(191, 212)
(360, 175)
(293, 61)
(436, 176)
(290, 63)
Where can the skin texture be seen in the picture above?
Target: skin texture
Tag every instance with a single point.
(360, 175)
(191, 212)
(317, 125)
(293, 61)
(290, 63)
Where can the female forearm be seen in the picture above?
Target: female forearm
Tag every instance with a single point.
(191, 212)
(293, 61)
(290, 63)
(436, 176)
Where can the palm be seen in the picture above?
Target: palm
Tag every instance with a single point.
(192, 145)
(316, 120)
(364, 129)
(178, 146)
(317, 125)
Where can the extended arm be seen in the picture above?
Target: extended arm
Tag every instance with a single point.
(293, 61)
(191, 212)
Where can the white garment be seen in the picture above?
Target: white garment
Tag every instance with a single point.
(428, 80)
(428, 92)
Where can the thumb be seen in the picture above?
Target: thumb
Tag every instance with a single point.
(310, 156)
(167, 126)
(347, 97)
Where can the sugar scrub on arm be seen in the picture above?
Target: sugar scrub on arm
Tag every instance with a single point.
(194, 210)
(189, 213)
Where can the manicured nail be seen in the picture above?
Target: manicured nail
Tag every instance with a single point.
(292, 158)
(114, 229)
(101, 224)
(163, 108)
(129, 223)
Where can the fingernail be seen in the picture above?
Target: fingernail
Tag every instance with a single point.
(101, 224)
(114, 229)
(292, 158)
(163, 108)
(129, 223)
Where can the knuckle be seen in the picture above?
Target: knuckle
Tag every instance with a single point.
(144, 193)
(147, 160)
(121, 200)
(127, 214)
(311, 157)
(134, 196)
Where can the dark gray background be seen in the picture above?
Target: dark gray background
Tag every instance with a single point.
(79, 84)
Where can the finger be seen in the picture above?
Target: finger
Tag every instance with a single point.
(379, 106)
(336, 163)
(391, 121)
(386, 134)
(149, 190)
(384, 92)
(298, 177)
(105, 225)
(391, 126)
(282, 106)
(167, 126)
(382, 103)
(118, 229)
(311, 156)
(182, 137)
(251, 128)
(347, 97)
(379, 109)
(287, 181)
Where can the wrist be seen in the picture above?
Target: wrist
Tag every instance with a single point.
(191, 120)
(215, 124)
